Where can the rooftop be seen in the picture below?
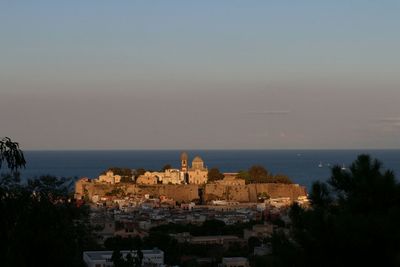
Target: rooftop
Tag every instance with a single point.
(106, 254)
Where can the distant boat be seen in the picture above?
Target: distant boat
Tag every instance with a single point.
(344, 167)
(320, 165)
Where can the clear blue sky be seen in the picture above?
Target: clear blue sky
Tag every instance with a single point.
(200, 74)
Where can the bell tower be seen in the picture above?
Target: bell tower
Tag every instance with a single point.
(184, 162)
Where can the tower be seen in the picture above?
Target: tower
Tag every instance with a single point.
(184, 162)
(184, 167)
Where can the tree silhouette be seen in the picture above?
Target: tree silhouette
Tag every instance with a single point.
(353, 221)
(11, 154)
(214, 175)
(40, 225)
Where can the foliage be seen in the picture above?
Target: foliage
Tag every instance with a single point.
(279, 179)
(258, 174)
(160, 237)
(214, 175)
(129, 261)
(209, 227)
(253, 242)
(125, 173)
(119, 243)
(41, 221)
(244, 175)
(166, 167)
(139, 172)
(353, 221)
(11, 154)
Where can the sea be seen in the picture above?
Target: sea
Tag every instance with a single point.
(303, 166)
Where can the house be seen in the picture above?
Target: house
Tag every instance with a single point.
(153, 257)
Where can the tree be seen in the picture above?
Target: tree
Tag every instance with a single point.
(11, 154)
(253, 242)
(125, 173)
(353, 220)
(139, 172)
(279, 179)
(244, 175)
(214, 175)
(258, 173)
(39, 219)
(117, 259)
(166, 167)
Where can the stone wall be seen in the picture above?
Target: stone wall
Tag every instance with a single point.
(293, 191)
(186, 193)
(248, 193)
(178, 192)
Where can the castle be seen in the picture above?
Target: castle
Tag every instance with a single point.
(184, 185)
(196, 174)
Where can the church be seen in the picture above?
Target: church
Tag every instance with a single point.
(197, 174)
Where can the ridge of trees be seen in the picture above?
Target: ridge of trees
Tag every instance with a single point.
(258, 174)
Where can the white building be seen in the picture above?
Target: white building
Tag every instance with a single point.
(154, 257)
(110, 178)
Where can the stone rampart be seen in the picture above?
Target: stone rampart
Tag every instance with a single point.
(186, 193)
(249, 193)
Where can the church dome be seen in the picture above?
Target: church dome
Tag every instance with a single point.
(184, 156)
(197, 159)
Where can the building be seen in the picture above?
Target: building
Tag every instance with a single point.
(259, 230)
(172, 176)
(153, 257)
(262, 250)
(231, 179)
(148, 178)
(197, 174)
(235, 262)
(80, 187)
(214, 239)
(110, 178)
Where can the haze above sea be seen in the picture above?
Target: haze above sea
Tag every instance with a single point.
(302, 166)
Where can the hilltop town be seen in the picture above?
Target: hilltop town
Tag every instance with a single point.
(184, 185)
(136, 206)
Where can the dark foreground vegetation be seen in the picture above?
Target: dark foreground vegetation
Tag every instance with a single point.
(353, 221)
(40, 224)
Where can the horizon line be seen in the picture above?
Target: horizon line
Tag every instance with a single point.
(203, 149)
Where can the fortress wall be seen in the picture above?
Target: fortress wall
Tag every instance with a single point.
(214, 191)
(186, 193)
(248, 193)
(97, 189)
(293, 191)
(178, 192)
(238, 193)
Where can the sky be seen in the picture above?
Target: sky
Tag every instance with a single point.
(200, 74)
